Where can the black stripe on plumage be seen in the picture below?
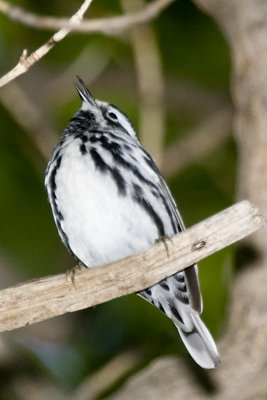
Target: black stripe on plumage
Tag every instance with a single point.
(164, 195)
(102, 166)
(138, 196)
(115, 149)
(58, 215)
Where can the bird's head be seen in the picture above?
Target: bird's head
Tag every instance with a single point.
(106, 115)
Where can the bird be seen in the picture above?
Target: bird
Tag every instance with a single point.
(110, 201)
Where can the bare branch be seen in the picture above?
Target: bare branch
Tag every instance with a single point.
(55, 295)
(150, 84)
(107, 26)
(26, 61)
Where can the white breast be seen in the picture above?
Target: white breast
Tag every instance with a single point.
(101, 225)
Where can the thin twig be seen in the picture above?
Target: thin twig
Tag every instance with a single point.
(55, 295)
(26, 61)
(107, 26)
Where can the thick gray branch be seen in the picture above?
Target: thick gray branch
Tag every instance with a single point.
(243, 369)
(55, 295)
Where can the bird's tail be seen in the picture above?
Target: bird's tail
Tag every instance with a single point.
(179, 298)
(199, 342)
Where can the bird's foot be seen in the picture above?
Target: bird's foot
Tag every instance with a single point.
(165, 240)
(70, 274)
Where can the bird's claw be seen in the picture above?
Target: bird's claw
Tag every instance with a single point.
(70, 274)
(164, 240)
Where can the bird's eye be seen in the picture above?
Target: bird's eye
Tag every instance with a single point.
(111, 115)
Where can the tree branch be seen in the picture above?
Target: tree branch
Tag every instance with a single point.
(55, 295)
(107, 26)
(26, 61)
(150, 81)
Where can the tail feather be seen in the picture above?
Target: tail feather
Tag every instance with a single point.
(173, 296)
(200, 343)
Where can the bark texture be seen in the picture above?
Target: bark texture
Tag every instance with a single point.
(48, 297)
(243, 370)
(244, 24)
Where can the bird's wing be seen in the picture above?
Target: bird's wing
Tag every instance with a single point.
(191, 273)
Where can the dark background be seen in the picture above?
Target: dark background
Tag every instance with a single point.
(195, 63)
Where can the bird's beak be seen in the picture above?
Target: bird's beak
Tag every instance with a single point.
(84, 92)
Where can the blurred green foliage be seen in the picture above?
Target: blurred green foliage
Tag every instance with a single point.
(193, 52)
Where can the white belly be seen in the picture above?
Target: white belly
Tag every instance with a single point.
(101, 225)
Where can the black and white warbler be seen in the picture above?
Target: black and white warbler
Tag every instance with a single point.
(109, 201)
